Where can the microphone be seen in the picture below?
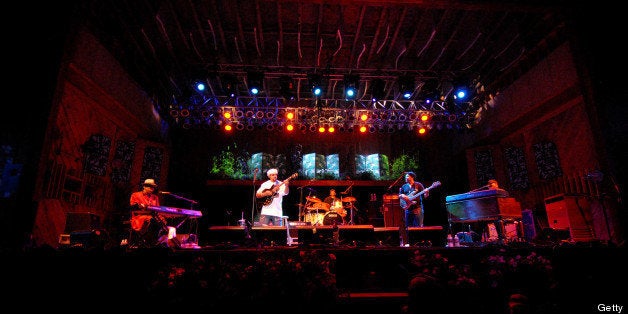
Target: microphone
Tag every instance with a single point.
(164, 192)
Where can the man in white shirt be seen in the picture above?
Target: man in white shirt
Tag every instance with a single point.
(271, 194)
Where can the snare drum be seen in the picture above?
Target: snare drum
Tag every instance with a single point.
(332, 218)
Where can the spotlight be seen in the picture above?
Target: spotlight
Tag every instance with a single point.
(255, 81)
(200, 86)
(316, 83)
(406, 86)
(351, 83)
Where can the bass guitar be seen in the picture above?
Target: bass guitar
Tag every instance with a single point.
(266, 200)
(414, 195)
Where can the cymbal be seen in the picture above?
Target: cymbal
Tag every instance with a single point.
(313, 199)
(349, 199)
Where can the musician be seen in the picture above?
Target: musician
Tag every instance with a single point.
(152, 227)
(493, 185)
(272, 213)
(331, 198)
(412, 215)
(335, 203)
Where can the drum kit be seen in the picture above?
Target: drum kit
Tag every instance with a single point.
(322, 213)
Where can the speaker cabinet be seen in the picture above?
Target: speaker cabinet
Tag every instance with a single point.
(392, 211)
(271, 235)
(387, 236)
(529, 228)
(317, 235)
(225, 235)
(572, 213)
(427, 236)
(358, 235)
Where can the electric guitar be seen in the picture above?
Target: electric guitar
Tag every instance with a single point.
(414, 195)
(269, 199)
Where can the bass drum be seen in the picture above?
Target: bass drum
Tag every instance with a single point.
(314, 218)
(332, 218)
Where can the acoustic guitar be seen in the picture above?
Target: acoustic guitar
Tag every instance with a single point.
(266, 200)
(414, 195)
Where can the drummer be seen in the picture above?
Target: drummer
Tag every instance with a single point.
(335, 203)
(331, 199)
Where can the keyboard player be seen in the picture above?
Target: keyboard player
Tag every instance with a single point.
(151, 229)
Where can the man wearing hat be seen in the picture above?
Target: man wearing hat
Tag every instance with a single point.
(150, 226)
(272, 213)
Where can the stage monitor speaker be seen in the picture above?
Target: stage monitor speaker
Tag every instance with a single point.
(392, 211)
(316, 235)
(225, 235)
(359, 235)
(93, 239)
(529, 228)
(75, 221)
(570, 212)
(270, 235)
(387, 236)
(427, 236)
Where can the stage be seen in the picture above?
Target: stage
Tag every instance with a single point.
(360, 268)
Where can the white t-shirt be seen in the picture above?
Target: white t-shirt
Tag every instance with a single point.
(275, 207)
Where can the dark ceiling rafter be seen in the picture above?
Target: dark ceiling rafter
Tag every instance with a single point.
(165, 45)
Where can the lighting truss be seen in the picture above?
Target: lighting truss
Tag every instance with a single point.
(246, 113)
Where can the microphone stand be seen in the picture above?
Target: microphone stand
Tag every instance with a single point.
(394, 183)
(192, 202)
(254, 198)
(301, 205)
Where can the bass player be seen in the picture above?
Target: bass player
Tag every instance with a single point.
(413, 211)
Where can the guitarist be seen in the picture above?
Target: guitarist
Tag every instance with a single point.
(271, 214)
(412, 215)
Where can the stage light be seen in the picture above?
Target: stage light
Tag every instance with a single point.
(227, 115)
(351, 83)
(290, 115)
(364, 117)
(316, 83)
(321, 129)
(331, 129)
(290, 127)
(363, 129)
(200, 86)
(317, 91)
(228, 127)
(255, 81)
(422, 130)
(406, 86)
(424, 117)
